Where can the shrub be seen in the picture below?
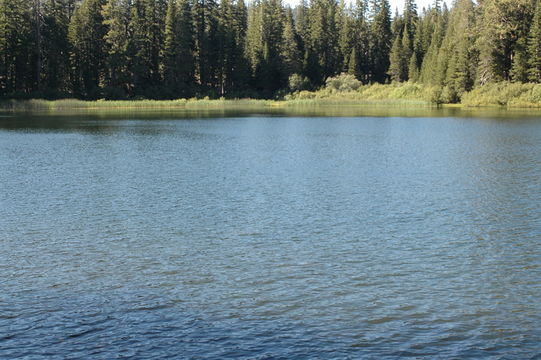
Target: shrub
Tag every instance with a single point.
(343, 82)
(503, 94)
(297, 82)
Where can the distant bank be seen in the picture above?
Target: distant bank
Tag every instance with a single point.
(502, 95)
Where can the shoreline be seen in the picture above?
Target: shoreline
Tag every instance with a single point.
(205, 104)
(497, 96)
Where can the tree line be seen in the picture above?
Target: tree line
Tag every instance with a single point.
(118, 49)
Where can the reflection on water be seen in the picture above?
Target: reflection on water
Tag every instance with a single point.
(267, 237)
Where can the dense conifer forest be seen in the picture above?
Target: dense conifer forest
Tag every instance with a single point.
(168, 49)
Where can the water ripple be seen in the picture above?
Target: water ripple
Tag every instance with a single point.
(271, 238)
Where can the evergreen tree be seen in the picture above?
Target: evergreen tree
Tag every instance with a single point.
(353, 63)
(15, 45)
(410, 19)
(413, 70)
(361, 40)
(254, 36)
(231, 30)
(346, 35)
(534, 46)
(178, 50)
(502, 23)
(266, 46)
(181, 48)
(271, 76)
(396, 69)
(146, 45)
(241, 71)
(116, 16)
(520, 67)
(86, 35)
(323, 41)
(457, 57)
(55, 47)
(429, 68)
(302, 28)
(381, 38)
(291, 51)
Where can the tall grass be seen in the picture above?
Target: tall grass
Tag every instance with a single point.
(73, 104)
(507, 95)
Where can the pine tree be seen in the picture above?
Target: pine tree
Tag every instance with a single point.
(55, 47)
(271, 76)
(381, 38)
(413, 70)
(346, 35)
(502, 23)
(241, 68)
(171, 48)
(395, 58)
(429, 68)
(407, 51)
(323, 41)
(520, 68)
(302, 23)
(116, 16)
(291, 51)
(457, 59)
(534, 46)
(361, 40)
(254, 36)
(410, 19)
(146, 45)
(353, 63)
(86, 35)
(15, 45)
(178, 60)
(207, 60)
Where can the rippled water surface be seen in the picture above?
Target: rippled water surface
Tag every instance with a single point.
(267, 237)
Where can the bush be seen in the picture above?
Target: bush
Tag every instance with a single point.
(435, 95)
(449, 95)
(343, 82)
(504, 94)
(297, 82)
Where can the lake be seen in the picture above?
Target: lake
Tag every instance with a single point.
(270, 236)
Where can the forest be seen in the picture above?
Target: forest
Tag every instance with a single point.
(170, 49)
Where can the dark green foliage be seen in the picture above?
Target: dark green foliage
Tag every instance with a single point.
(266, 47)
(534, 46)
(380, 40)
(429, 68)
(413, 69)
(297, 82)
(322, 43)
(520, 66)
(458, 58)
(146, 45)
(502, 24)
(225, 48)
(291, 49)
(396, 68)
(178, 59)
(15, 47)
(87, 56)
(118, 79)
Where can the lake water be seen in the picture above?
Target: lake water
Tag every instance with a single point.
(270, 237)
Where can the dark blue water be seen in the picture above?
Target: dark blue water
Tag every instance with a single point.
(270, 238)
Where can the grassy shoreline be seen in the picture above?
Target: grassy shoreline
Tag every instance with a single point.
(407, 95)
